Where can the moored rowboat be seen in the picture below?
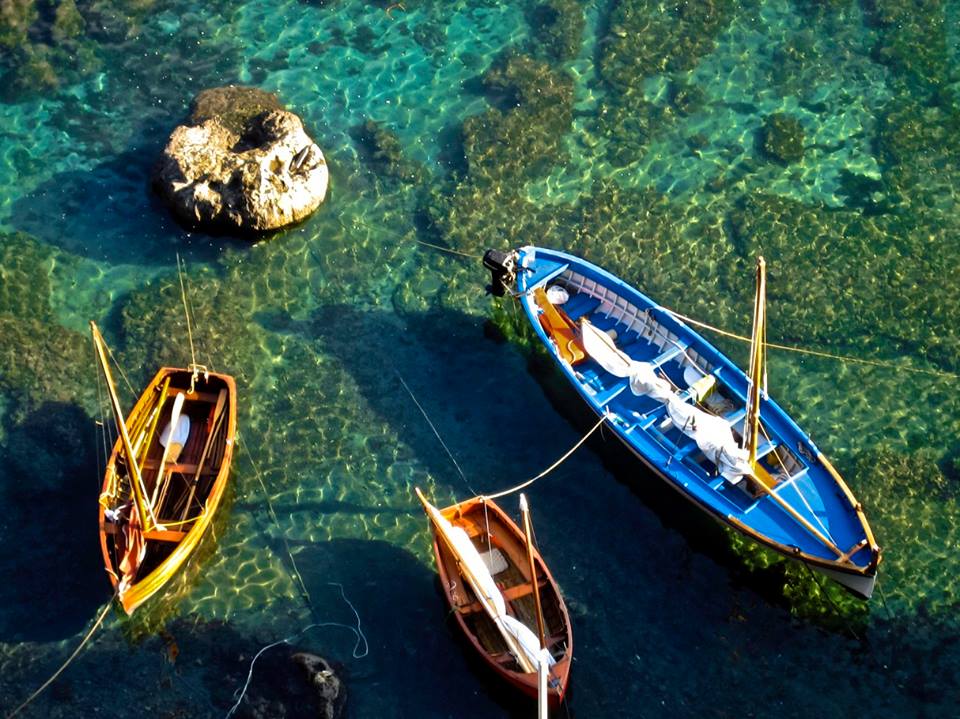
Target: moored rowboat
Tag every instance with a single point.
(690, 414)
(483, 561)
(165, 477)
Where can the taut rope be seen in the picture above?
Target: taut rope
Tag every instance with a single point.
(553, 466)
(815, 353)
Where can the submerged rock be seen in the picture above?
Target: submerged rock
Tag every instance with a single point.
(329, 689)
(781, 138)
(242, 164)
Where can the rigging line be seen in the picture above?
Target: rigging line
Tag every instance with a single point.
(442, 443)
(553, 466)
(447, 249)
(186, 311)
(100, 422)
(796, 486)
(289, 640)
(283, 536)
(120, 369)
(73, 656)
(817, 353)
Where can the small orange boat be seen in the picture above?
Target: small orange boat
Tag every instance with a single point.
(166, 476)
(486, 562)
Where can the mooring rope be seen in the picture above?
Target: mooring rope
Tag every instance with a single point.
(83, 643)
(448, 250)
(816, 353)
(553, 466)
(186, 311)
(289, 640)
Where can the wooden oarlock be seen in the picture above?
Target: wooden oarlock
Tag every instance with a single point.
(215, 425)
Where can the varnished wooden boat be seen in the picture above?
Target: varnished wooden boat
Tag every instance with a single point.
(154, 511)
(506, 554)
(697, 420)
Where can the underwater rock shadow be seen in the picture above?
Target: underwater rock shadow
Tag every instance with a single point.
(110, 214)
(49, 485)
(475, 391)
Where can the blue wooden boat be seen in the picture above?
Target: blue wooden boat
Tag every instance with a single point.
(690, 414)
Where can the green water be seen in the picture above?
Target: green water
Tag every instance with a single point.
(633, 133)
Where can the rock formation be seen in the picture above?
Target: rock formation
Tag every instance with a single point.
(242, 163)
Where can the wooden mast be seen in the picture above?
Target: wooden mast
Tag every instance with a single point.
(138, 491)
(528, 535)
(757, 368)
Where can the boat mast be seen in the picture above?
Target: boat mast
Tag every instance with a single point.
(138, 493)
(757, 376)
(528, 535)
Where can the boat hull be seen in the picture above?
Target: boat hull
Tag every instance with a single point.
(190, 505)
(508, 539)
(641, 323)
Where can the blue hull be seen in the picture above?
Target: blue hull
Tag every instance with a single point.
(646, 332)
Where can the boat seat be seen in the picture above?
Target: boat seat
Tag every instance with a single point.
(164, 535)
(509, 595)
(580, 305)
(666, 355)
(685, 451)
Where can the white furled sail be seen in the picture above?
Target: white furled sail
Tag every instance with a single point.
(643, 377)
(712, 435)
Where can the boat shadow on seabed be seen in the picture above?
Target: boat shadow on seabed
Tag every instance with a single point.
(54, 572)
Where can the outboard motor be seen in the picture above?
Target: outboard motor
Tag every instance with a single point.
(503, 271)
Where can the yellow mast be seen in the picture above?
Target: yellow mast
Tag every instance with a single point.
(138, 492)
(757, 375)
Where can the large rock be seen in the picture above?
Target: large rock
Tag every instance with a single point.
(241, 164)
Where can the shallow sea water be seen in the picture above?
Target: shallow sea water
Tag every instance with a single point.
(325, 323)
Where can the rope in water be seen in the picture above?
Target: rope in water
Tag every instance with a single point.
(52, 679)
(815, 353)
(552, 467)
(435, 432)
(289, 640)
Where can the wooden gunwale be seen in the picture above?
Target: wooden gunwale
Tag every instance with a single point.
(509, 538)
(144, 587)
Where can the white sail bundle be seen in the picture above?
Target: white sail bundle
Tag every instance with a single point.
(644, 379)
(711, 433)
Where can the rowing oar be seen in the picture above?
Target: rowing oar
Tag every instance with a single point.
(217, 416)
(161, 469)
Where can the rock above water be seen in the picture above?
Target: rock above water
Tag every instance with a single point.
(242, 163)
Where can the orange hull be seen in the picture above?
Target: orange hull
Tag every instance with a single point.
(507, 539)
(187, 491)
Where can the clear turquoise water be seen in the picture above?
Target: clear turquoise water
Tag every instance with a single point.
(657, 173)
